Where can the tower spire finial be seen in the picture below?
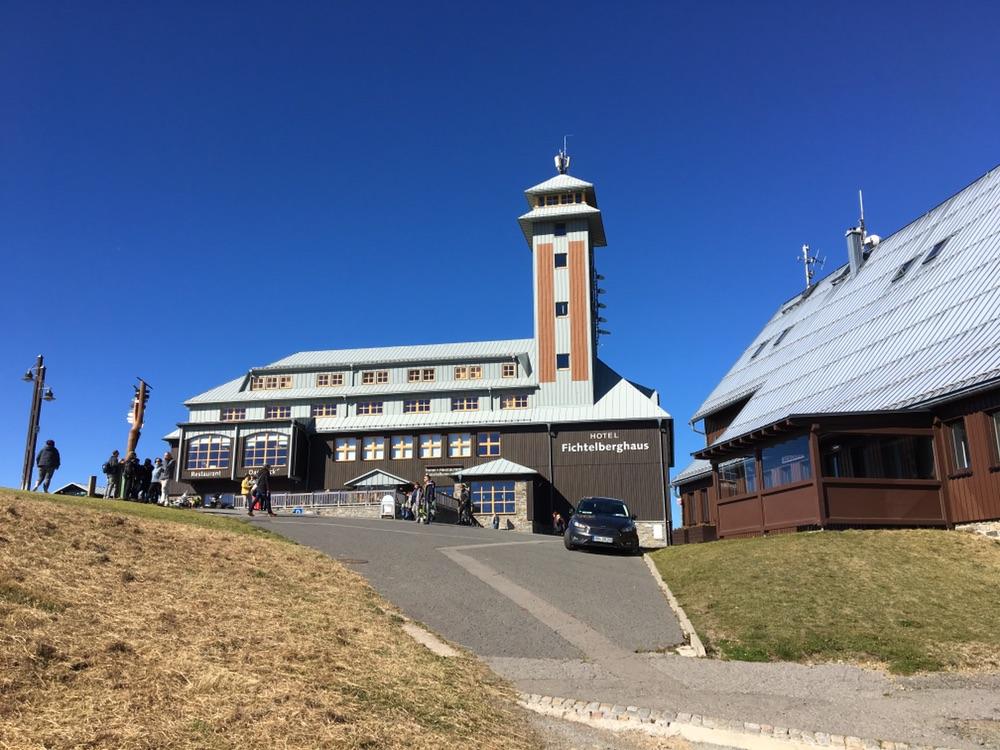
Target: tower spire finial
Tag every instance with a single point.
(562, 158)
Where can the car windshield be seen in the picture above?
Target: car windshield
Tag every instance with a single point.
(602, 506)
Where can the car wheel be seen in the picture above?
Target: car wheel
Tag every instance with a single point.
(568, 544)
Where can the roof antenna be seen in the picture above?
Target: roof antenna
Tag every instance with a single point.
(861, 203)
(562, 158)
(811, 263)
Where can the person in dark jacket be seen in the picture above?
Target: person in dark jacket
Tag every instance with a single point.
(262, 489)
(112, 473)
(48, 462)
(145, 479)
(430, 499)
(130, 477)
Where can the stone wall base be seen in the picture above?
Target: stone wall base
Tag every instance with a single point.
(348, 511)
(986, 528)
(648, 532)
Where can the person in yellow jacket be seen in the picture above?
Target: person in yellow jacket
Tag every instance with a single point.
(247, 489)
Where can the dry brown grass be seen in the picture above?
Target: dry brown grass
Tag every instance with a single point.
(124, 632)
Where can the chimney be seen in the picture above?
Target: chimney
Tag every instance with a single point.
(855, 248)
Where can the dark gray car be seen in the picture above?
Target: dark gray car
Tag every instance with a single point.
(602, 523)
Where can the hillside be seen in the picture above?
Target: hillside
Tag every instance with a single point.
(912, 600)
(125, 628)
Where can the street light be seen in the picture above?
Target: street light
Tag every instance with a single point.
(40, 393)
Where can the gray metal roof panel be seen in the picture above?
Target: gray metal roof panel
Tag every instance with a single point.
(497, 467)
(458, 352)
(869, 343)
(697, 468)
(559, 182)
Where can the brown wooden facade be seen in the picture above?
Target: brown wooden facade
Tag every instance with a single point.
(933, 467)
(626, 460)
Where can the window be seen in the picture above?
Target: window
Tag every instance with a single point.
(781, 336)
(465, 404)
(430, 446)
(560, 229)
(329, 379)
(345, 449)
(265, 448)
(324, 410)
(959, 445)
(233, 414)
(373, 448)
(901, 271)
(368, 408)
(270, 382)
(560, 260)
(420, 375)
(508, 370)
(562, 309)
(786, 462)
(374, 377)
(402, 447)
(877, 456)
(488, 444)
(760, 348)
(738, 477)
(492, 497)
(995, 422)
(559, 200)
(562, 361)
(277, 412)
(935, 251)
(460, 445)
(468, 372)
(514, 402)
(208, 452)
(416, 406)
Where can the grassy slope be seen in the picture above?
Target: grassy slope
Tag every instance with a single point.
(914, 600)
(120, 630)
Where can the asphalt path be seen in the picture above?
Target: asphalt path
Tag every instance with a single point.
(420, 569)
(596, 627)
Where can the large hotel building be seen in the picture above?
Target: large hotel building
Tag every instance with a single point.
(531, 424)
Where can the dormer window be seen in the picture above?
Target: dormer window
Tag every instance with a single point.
(565, 199)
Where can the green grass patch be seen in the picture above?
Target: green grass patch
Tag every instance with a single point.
(150, 512)
(914, 600)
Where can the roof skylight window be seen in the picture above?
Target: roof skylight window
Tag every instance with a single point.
(843, 275)
(901, 271)
(935, 251)
(782, 335)
(760, 348)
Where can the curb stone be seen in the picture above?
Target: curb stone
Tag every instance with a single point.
(694, 647)
(698, 728)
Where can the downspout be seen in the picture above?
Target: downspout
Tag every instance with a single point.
(667, 525)
(552, 478)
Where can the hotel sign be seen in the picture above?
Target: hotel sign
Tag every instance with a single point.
(604, 442)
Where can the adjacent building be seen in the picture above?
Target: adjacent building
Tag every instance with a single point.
(870, 399)
(532, 424)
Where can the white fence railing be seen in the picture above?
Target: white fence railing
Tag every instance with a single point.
(337, 499)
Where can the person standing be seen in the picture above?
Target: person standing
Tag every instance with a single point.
(246, 489)
(48, 462)
(145, 479)
(156, 479)
(430, 490)
(263, 490)
(112, 473)
(130, 477)
(415, 498)
(168, 471)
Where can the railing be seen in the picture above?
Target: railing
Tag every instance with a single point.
(337, 499)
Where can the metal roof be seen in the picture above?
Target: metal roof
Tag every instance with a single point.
(697, 468)
(460, 352)
(559, 182)
(875, 342)
(617, 400)
(495, 468)
(376, 478)
(569, 210)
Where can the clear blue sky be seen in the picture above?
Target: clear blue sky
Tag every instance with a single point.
(189, 189)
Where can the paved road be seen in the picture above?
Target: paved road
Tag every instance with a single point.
(595, 626)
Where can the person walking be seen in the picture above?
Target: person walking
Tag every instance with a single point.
(246, 489)
(48, 462)
(415, 498)
(263, 490)
(112, 473)
(430, 491)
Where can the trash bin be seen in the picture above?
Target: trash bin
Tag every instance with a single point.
(388, 507)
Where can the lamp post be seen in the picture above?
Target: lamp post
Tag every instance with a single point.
(40, 393)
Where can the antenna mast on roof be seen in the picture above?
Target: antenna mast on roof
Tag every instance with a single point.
(810, 262)
(861, 203)
(562, 158)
